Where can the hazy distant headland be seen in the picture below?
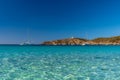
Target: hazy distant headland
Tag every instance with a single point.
(79, 41)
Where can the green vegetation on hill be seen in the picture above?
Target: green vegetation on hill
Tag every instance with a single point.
(110, 40)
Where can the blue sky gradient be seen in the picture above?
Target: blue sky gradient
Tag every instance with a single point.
(57, 19)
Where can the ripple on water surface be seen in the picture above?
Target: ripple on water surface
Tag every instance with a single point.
(60, 64)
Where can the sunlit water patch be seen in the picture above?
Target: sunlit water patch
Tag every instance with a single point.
(59, 62)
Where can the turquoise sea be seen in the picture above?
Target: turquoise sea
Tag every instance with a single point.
(59, 62)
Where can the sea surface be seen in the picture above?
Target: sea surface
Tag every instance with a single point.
(59, 62)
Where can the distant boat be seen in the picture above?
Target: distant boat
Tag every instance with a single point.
(25, 43)
(83, 44)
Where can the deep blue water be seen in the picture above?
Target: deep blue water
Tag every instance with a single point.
(59, 62)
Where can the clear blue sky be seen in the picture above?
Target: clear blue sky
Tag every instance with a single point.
(57, 19)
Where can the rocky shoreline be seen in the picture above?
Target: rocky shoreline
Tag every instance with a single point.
(79, 41)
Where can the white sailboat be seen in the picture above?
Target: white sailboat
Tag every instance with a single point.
(27, 42)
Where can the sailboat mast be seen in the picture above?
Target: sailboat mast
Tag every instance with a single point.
(28, 35)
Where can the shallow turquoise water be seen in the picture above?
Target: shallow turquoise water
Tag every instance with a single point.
(59, 62)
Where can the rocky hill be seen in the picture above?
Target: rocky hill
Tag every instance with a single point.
(112, 40)
(69, 41)
(78, 41)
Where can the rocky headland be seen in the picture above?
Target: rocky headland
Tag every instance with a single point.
(79, 41)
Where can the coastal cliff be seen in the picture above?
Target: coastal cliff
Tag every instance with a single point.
(107, 41)
(79, 41)
(69, 41)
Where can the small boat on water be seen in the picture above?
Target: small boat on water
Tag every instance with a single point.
(25, 43)
(28, 41)
(83, 44)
